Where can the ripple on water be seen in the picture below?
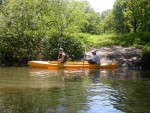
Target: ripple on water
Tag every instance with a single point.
(100, 99)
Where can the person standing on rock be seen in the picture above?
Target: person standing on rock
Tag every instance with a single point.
(95, 59)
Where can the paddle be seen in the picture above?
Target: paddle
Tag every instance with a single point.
(84, 55)
(89, 48)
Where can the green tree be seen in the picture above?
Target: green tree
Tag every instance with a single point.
(27, 25)
(73, 47)
(92, 21)
(131, 16)
(107, 21)
(119, 21)
(143, 15)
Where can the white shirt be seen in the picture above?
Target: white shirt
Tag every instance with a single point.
(63, 54)
(96, 59)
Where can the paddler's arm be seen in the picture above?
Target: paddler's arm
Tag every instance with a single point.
(61, 59)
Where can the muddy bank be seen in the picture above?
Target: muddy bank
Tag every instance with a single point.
(124, 56)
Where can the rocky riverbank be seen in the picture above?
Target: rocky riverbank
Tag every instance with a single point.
(124, 56)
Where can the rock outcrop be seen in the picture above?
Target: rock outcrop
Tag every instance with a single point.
(124, 56)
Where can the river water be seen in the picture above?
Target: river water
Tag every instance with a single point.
(33, 90)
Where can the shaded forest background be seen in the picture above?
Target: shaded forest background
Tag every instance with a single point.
(35, 29)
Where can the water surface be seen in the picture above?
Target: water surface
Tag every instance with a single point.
(33, 90)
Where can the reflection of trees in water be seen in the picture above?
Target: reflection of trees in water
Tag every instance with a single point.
(46, 99)
(95, 73)
(23, 101)
(42, 101)
(122, 73)
(132, 96)
(129, 93)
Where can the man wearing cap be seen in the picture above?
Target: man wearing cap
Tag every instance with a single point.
(95, 58)
(62, 56)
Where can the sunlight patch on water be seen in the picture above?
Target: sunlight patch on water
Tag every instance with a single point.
(100, 99)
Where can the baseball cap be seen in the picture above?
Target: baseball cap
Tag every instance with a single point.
(61, 49)
(93, 51)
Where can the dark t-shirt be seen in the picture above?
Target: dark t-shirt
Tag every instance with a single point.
(65, 57)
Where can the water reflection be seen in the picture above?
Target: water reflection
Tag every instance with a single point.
(95, 74)
(30, 90)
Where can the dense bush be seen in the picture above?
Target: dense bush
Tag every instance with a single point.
(72, 46)
(83, 36)
(132, 39)
(145, 59)
(18, 50)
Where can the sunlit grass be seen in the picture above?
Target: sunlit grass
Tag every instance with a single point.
(132, 39)
(98, 40)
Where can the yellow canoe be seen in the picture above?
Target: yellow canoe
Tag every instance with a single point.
(74, 63)
(70, 65)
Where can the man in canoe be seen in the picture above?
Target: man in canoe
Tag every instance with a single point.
(62, 58)
(94, 59)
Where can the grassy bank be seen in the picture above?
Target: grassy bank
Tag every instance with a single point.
(97, 40)
(139, 40)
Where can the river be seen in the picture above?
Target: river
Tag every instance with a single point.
(33, 90)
